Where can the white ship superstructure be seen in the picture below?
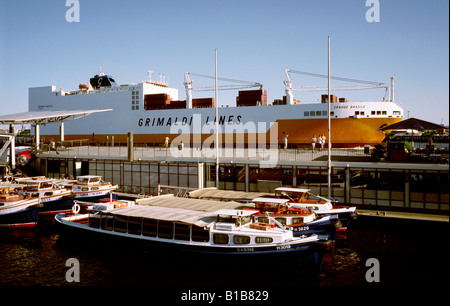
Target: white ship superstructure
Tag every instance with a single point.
(152, 111)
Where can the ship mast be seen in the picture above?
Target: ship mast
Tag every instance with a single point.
(329, 125)
(217, 119)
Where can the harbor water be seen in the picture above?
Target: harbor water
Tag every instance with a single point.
(407, 252)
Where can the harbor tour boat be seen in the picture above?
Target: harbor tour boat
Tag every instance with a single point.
(53, 197)
(17, 211)
(226, 231)
(304, 199)
(278, 212)
(91, 186)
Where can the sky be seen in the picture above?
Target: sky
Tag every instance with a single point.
(256, 40)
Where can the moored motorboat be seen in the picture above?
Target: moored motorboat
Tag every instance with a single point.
(53, 198)
(301, 221)
(17, 211)
(91, 186)
(304, 199)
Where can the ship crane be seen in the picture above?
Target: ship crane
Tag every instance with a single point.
(361, 86)
(188, 85)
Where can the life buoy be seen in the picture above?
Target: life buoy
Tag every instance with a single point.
(76, 208)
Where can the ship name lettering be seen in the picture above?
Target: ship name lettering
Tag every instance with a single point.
(169, 121)
(245, 249)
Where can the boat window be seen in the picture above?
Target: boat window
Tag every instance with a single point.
(182, 231)
(94, 180)
(108, 222)
(32, 186)
(49, 193)
(120, 224)
(297, 220)
(246, 219)
(134, 225)
(318, 113)
(312, 113)
(220, 238)
(397, 113)
(46, 185)
(200, 234)
(165, 229)
(84, 189)
(149, 227)
(263, 220)
(263, 239)
(94, 220)
(306, 113)
(94, 188)
(281, 220)
(241, 239)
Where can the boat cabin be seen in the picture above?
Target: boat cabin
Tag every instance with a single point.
(230, 219)
(281, 211)
(299, 195)
(89, 180)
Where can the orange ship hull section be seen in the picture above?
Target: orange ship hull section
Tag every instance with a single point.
(345, 132)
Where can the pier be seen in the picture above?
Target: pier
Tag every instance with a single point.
(401, 187)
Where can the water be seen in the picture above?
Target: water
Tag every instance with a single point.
(408, 252)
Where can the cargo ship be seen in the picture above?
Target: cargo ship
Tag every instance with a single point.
(152, 111)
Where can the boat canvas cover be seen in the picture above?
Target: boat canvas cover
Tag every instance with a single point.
(191, 204)
(198, 218)
(225, 195)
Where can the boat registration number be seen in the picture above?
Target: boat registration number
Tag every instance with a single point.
(301, 228)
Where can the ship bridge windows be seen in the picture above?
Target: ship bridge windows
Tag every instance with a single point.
(379, 113)
(315, 113)
(135, 100)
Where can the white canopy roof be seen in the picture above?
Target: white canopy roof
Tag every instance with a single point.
(198, 218)
(192, 204)
(47, 116)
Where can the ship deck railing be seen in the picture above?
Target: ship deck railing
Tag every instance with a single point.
(82, 148)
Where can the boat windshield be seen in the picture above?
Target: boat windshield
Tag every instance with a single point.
(289, 194)
(238, 221)
(32, 186)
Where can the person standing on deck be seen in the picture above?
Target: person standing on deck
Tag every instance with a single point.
(313, 142)
(285, 139)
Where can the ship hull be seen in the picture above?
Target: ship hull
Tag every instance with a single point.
(345, 132)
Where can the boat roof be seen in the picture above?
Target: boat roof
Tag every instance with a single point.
(37, 181)
(191, 204)
(88, 176)
(225, 195)
(236, 213)
(198, 218)
(271, 200)
(292, 189)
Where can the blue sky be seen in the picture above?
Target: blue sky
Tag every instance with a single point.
(256, 41)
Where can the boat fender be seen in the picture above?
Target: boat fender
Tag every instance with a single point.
(76, 208)
(338, 224)
(354, 215)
